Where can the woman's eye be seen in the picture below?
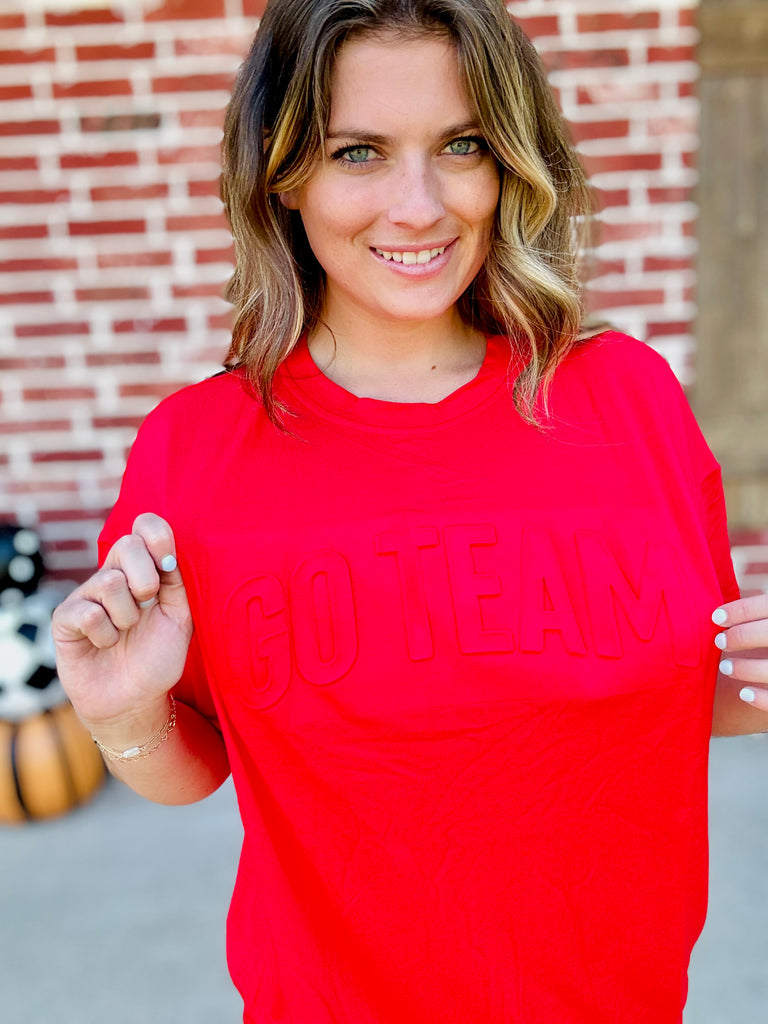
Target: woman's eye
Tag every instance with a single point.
(354, 155)
(358, 155)
(466, 147)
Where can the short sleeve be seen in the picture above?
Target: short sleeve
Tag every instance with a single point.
(709, 483)
(657, 406)
(715, 522)
(143, 490)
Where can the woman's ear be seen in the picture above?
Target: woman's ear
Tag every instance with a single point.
(290, 199)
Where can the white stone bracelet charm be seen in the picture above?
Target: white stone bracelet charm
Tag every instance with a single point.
(135, 753)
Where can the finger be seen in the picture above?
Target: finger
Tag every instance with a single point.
(746, 670)
(81, 619)
(744, 637)
(105, 607)
(129, 557)
(755, 696)
(110, 588)
(747, 609)
(157, 536)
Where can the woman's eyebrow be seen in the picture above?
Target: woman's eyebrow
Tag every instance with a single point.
(363, 134)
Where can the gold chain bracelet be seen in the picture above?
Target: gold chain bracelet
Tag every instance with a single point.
(136, 753)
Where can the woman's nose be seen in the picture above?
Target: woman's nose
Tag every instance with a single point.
(416, 200)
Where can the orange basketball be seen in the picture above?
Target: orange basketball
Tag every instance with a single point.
(48, 765)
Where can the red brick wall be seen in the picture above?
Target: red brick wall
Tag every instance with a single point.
(625, 75)
(114, 250)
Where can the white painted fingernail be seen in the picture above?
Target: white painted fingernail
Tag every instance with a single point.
(720, 616)
(721, 641)
(147, 604)
(747, 695)
(726, 667)
(168, 564)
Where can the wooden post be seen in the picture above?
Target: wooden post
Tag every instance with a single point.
(731, 394)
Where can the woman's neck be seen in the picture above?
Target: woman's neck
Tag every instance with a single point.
(399, 363)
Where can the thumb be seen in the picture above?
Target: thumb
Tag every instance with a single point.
(172, 592)
(160, 542)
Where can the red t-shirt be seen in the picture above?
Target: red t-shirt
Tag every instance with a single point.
(464, 669)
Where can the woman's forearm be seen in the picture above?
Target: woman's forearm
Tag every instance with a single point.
(188, 765)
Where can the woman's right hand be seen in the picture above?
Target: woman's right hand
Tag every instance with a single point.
(122, 637)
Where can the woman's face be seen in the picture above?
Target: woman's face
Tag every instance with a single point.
(399, 209)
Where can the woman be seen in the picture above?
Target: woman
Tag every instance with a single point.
(445, 575)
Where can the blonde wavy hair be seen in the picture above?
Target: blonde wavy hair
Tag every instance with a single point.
(528, 288)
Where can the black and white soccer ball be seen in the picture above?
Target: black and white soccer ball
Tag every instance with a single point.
(28, 680)
(21, 560)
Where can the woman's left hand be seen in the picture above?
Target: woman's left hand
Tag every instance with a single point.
(743, 641)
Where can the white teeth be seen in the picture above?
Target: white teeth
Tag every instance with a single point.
(409, 258)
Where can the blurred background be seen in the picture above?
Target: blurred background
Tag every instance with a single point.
(113, 256)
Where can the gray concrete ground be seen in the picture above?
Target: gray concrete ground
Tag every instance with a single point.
(116, 912)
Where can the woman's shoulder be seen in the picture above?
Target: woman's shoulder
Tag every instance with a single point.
(621, 361)
(623, 383)
(614, 348)
(197, 419)
(205, 401)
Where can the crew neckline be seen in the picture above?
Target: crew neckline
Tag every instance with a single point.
(304, 381)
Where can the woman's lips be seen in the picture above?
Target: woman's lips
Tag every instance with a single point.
(407, 261)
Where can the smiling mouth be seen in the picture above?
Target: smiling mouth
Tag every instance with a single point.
(412, 257)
